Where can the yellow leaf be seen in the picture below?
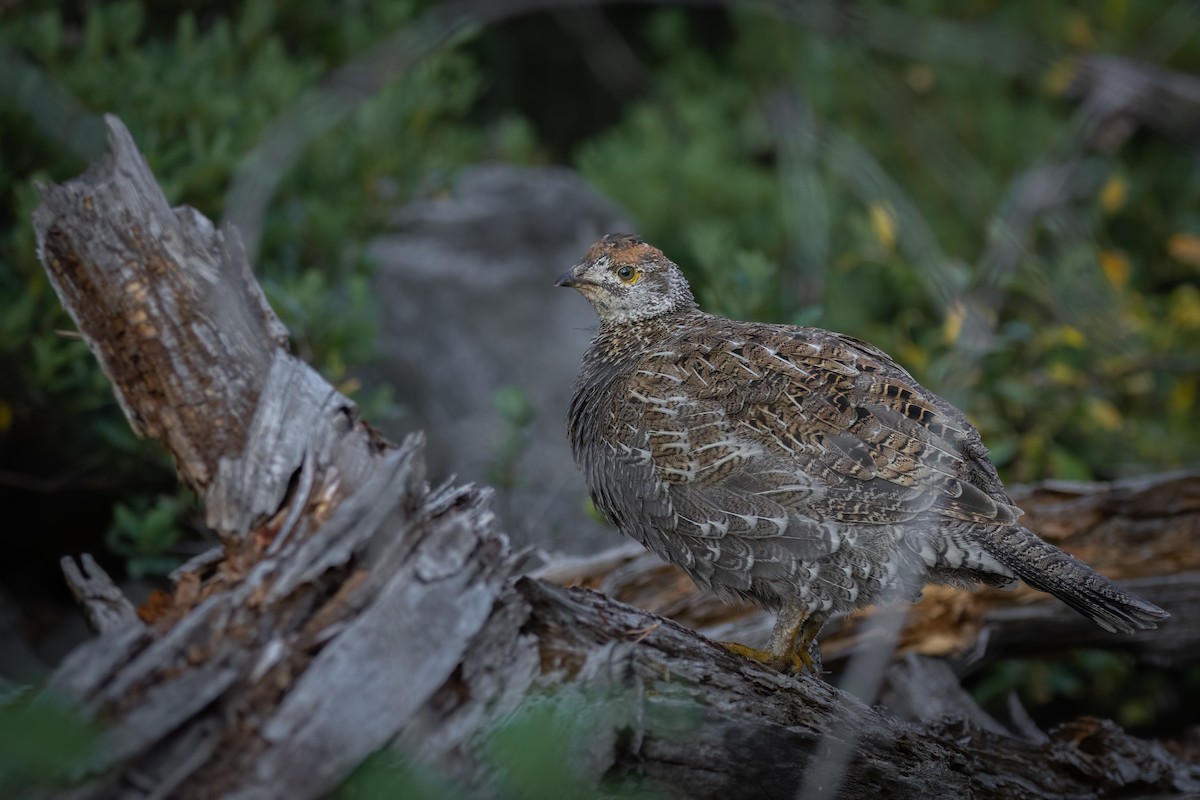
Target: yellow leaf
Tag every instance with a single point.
(1033, 445)
(1139, 383)
(1060, 75)
(952, 325)
(1185, 247)
(913, 357)
(1104, 413)
(884, 225)
(1114, 13)
(1183, 395)
(919, 78)
(1079, 31)
(1184, 311)
(6, 417)
(1073, 337)
(1113, 194)
(593, 513)
(1115, 265)
(1061, 374)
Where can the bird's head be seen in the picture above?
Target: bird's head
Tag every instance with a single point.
(627, 280)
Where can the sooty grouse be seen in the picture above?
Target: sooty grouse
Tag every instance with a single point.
(795, 467)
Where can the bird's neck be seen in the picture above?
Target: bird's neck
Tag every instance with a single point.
(615, 350)
(617, 342)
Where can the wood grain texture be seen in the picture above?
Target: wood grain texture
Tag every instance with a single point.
(165, 301)
(353, 609)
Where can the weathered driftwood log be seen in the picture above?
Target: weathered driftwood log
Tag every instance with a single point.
(354, 610)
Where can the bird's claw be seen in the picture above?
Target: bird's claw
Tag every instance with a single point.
(797, 662)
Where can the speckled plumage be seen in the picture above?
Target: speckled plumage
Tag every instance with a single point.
(792, 466)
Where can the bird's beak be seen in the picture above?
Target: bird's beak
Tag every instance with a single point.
(569, 278)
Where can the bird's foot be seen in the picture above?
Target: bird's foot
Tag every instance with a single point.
(794, 663)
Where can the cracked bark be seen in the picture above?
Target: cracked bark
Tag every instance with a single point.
(354, 609)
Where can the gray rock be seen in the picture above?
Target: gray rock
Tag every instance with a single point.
(482, 349)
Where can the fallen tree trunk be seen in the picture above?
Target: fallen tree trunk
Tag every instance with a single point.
(354, 610)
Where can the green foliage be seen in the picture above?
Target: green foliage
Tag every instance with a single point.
(851, 181)
(517, 413)
(40, 744)
(1096, 682)
(537, 752)
(538, 749)
(384, 776)
(198, 90)
(143, 531)
(801, 177)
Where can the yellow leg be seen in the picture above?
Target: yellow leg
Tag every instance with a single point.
(789, 649)
(801, 661)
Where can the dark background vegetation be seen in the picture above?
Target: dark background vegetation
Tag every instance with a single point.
(858, 169)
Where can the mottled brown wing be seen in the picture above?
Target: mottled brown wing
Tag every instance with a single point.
(789, 434)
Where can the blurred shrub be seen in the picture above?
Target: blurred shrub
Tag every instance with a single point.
(197, 89)
(1100, 683)
(517, 413)
(541, 751)
(862, 182)
(845, 179)
(803, 177)
(142, 530)
(41, 743)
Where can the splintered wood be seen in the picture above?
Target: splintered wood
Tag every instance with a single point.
(353, 610)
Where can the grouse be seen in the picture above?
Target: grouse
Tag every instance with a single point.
(792, 466)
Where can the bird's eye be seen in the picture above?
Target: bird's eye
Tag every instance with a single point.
(628, 274)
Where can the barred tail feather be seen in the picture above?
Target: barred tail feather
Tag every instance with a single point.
(1043, 566)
